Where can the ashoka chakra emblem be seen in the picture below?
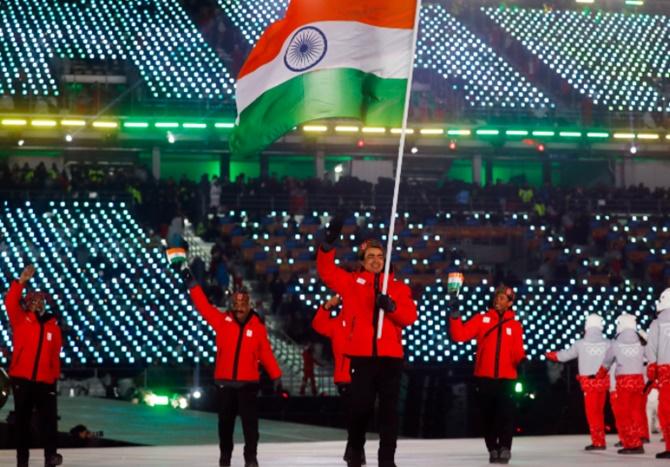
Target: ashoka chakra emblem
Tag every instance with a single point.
(306, 49)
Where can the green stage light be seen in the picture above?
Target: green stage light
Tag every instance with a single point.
(195, 126)
(459, 132)
(166, 125)
(544, 133)
(485, 132)
(516, 133)
(136, 125)
(597, 134)
(226, 125)
(570, 134)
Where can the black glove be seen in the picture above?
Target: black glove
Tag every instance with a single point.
(386, 303)
(187, 277)
(332, 233)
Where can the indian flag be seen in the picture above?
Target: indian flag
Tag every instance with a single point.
(325, 59)
(454, 282)
(176, 255)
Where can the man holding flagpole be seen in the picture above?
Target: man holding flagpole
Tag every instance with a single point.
(351, 59)
(376, 364)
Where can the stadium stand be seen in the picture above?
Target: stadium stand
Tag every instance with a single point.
(615, 59)
(157, 38)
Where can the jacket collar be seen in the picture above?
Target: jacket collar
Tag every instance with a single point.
(369, 277)
(509, 314)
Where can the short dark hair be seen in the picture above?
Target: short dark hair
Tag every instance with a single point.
(367, 244)
(507, 291)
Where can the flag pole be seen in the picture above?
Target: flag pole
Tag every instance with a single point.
(398, 173)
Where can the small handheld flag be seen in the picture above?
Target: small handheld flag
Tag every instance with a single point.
(176, 256)
(454, 282)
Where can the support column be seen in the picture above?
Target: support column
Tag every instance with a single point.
(546, 171)
(488, 167)
(477, 169)
(224, 166)
(156, 162)
(621, 172)
(264, 162)
(320, 164)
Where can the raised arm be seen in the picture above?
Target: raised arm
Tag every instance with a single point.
(13, 296)
(332, 275)
(464, 331)
(210, 313)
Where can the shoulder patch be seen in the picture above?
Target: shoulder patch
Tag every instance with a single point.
(361, 281)
(486, 319)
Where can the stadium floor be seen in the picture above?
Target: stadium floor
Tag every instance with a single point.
(548, 451)
(188, 438)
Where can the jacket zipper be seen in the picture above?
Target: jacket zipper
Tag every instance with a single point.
(238, 347)
(39, 351)
(498, 345)
(375, 317)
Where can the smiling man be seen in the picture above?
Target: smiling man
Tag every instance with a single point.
(376, 363)
(242, 345)
(35, 368)
(499, 351)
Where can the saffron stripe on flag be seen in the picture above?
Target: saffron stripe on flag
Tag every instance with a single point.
(397, 14)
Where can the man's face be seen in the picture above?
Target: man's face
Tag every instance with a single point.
(241, 306)
(35, 304)
(501, 303)
(373, 260)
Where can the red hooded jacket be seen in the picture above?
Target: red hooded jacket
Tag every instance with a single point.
(239, 347)
(337, 331)
(499, 348)
(358, 291)
(36, 340)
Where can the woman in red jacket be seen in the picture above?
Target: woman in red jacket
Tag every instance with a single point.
(499, 351)
(376, 363)
(34, 369)
(337, 329)
(241, 345)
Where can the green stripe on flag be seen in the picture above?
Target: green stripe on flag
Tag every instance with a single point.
(337, 93)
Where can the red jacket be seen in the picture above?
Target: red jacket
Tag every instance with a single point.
(499, 349)
(37, 341)
(337, 331)
(239, 347)
(357, 290)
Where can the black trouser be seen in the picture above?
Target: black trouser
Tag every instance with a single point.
(497, 406)
(242, 401)
(41, 396)
(372, 377)
(344, 389)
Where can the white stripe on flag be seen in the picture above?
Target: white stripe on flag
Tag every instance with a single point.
(384, 52)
